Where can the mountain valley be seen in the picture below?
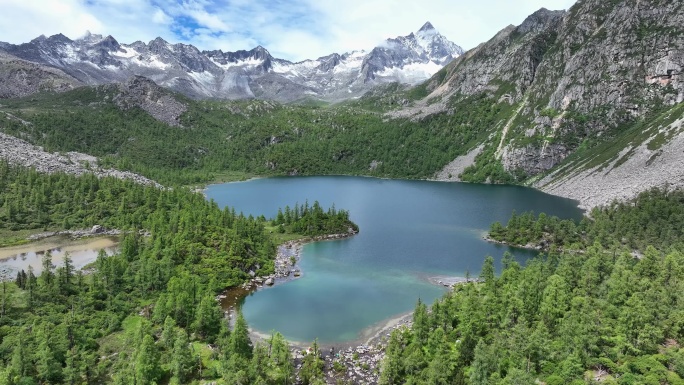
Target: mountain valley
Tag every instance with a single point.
(585, 103)
(562, 91)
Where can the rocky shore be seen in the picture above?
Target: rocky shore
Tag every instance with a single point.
(356, 362)
(287, 259)
(543, 245)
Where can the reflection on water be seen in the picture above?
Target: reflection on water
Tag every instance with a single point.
(82, 252)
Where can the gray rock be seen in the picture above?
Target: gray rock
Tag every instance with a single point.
(141, 92)
(20, 152)
(97, 60)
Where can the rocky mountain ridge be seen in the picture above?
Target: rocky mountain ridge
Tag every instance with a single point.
(567, 84)
(585, 103)
(95, 59)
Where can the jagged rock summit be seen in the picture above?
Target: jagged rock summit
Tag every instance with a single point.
(410, 59)
(95, 59)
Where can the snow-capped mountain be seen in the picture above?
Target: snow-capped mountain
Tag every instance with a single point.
(94, 59)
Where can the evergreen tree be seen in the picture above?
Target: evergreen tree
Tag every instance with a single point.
(208, 318)
(312, 366)
(182, 361)
(48, 368)
(169, 333)
(280, 369)
(147, 368)
(47, 276)
(240, 344)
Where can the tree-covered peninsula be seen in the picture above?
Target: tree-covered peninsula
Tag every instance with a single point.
(147, 314)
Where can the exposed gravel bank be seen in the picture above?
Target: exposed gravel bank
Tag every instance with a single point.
(451, 171)
(643, 170)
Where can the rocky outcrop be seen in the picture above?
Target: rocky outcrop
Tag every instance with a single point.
(22, 153)
(504, 67)
(145, 94)
(19, 78)
(612, 63)
(569, 80)
(533, 159)
(96, 230)
(509, 60)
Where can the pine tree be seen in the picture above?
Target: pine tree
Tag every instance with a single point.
(421, 324)
(182, 361)
(48, 368)
(169, 332)
(47, 276)
(66, 273)
(208, 318)
(312, 366)
(280, 368)
(147, 368)
(240, 343)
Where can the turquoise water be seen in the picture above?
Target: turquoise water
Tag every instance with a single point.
(410, 231)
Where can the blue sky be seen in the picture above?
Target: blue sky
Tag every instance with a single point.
(294, 30)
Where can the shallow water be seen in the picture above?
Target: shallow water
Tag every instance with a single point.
(410, 231)
(81, 251)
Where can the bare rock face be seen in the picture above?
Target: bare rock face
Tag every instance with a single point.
(532, 159)
(19, 78)
(144, 93)
(509, 60)
(611, 63)
(568, 77)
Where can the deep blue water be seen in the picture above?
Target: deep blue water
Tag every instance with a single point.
(410, 230)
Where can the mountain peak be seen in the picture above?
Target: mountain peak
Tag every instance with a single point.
(540, 20)
(97, 59)
(426, 27)
(158, 40)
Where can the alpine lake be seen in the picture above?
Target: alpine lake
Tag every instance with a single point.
(413, 234)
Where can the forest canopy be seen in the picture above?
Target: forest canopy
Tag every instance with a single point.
(590, 310)
(146, 314)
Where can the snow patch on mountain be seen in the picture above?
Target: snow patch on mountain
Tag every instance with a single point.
(412, 73)
(94, 59)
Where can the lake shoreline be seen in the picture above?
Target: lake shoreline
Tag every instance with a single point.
(583, 203)
(528, 246)
(414, 232)
(286, 265)
(373, 335)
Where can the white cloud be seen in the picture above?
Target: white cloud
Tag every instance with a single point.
(295, 29)
(160, 17)
(467, 23)
(22, 20)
